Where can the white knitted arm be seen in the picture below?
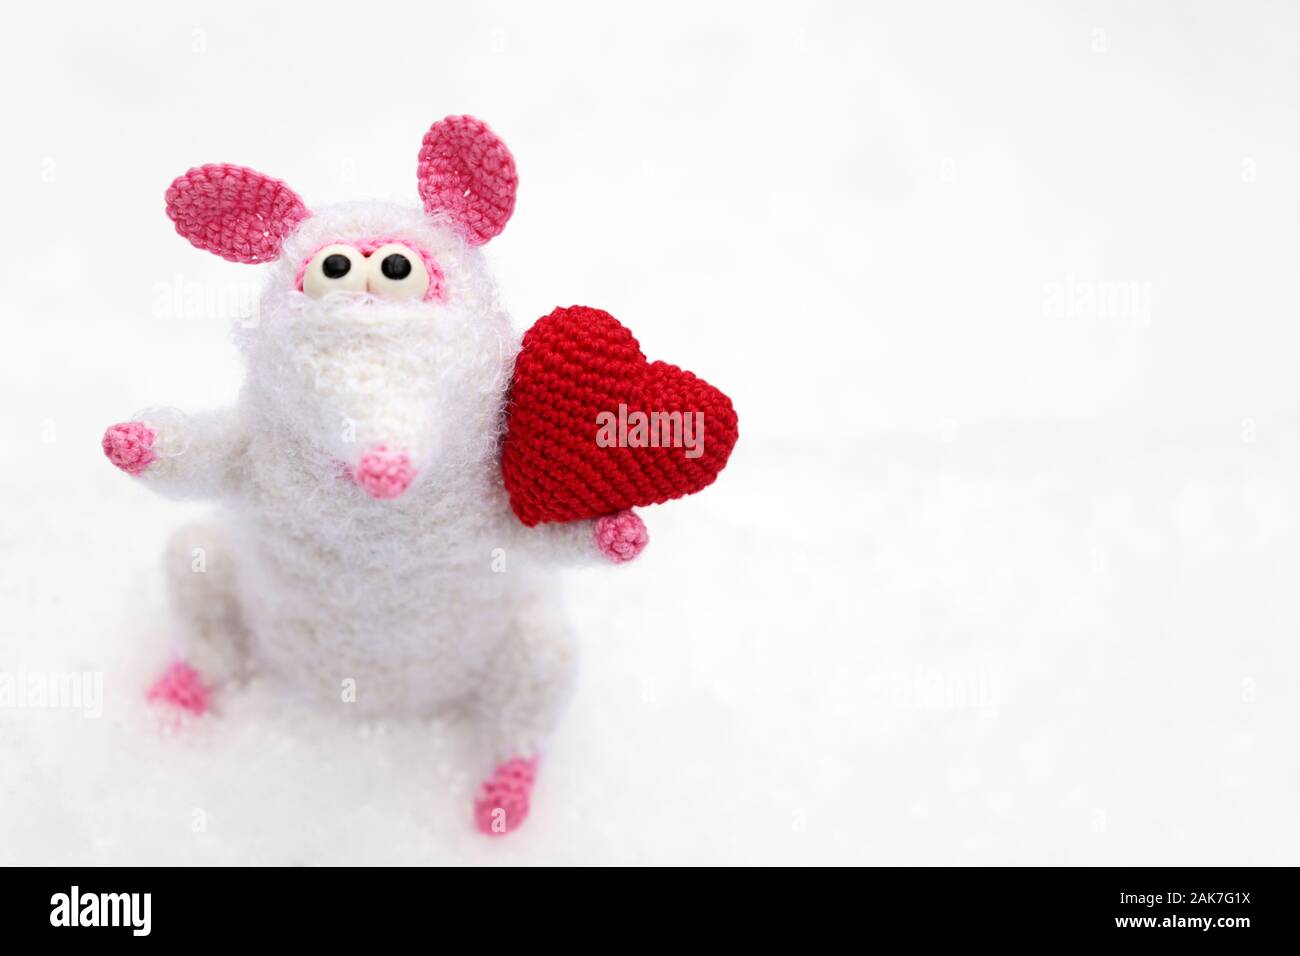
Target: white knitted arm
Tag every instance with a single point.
(181, 455)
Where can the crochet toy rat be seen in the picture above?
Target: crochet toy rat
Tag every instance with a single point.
(401, 470)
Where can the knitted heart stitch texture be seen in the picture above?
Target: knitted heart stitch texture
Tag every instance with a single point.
(574, 365)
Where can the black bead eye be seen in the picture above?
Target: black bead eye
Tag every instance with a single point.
(336, 266)
(397, 272)
(395, 267)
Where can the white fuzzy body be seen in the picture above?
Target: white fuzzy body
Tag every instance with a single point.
(398, 596)
(403, 606)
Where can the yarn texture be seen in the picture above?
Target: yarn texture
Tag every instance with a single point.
(234, 211)
(181, 687)
(365, 551)
(621, 537)
(466, 171)
(502, 802)
(129, 445)
(577, 365)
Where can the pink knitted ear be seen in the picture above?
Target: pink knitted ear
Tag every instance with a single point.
(467, 173)
(236, 212)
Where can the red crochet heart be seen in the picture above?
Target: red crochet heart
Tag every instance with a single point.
(581, 381)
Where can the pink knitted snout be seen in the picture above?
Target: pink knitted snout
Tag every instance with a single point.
(384, 473)
(129, 445)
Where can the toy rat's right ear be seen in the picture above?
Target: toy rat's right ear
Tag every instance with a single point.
(236, 212)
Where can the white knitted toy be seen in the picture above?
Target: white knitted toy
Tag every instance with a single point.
(367, 549)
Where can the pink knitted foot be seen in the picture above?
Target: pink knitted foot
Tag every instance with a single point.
(501, 804)
(180, 687)
(384, 473)
(129, 445)
(621, 537)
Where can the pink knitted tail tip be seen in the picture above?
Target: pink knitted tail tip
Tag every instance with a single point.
(180, 687)
(129, 445)
(501, 804)
(383, 473)
(621, 537)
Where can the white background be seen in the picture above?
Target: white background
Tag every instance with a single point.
(1003, 569)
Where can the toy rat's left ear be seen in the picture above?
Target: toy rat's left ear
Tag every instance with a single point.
(238, 213)
(467, 173)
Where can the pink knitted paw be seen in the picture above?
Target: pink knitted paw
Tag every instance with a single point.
(501, 804)
(384, 473)
(621, 537)
(180, 686)
(129, 445)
